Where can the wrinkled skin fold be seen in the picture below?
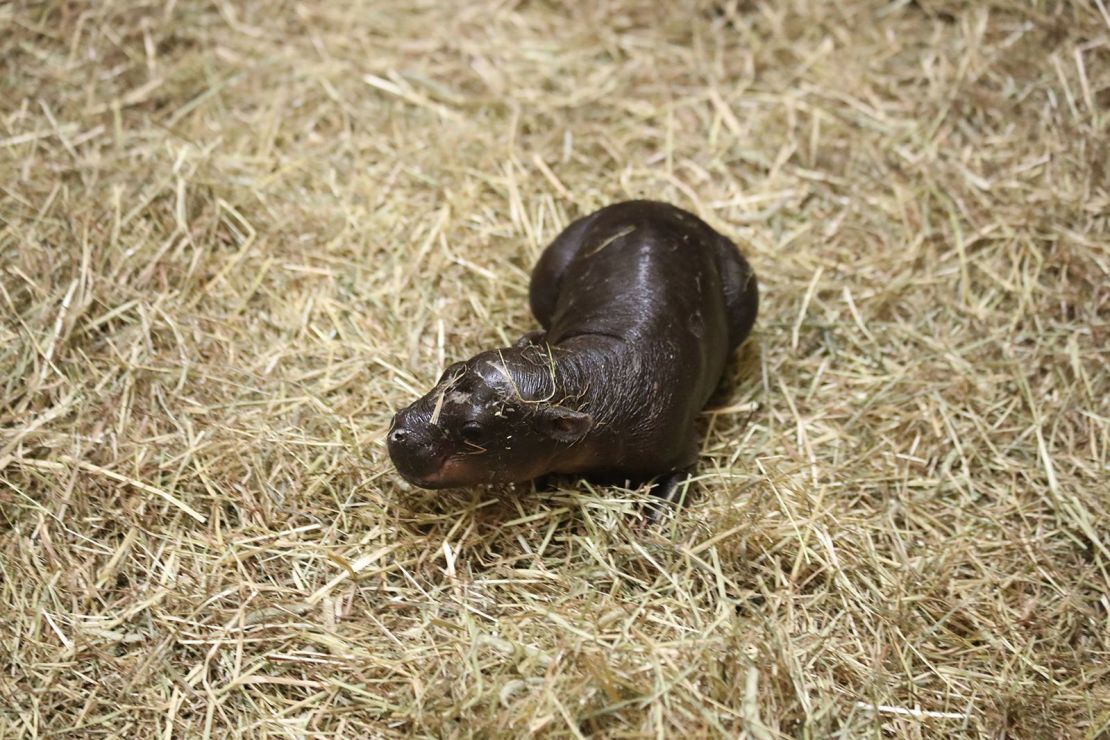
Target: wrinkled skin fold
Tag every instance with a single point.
(641, 304)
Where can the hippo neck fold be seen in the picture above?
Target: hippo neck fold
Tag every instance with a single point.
(585, 366)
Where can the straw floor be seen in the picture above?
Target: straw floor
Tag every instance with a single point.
(236, 236)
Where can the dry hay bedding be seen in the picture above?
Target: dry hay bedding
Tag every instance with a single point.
(235, 236)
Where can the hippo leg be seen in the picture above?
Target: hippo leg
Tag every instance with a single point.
(543, 289)
(741, 290)
(672, 490)
(668, 493)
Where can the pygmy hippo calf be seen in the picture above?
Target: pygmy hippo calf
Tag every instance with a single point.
(641, 304)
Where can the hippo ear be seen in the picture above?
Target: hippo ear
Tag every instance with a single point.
(563, 424)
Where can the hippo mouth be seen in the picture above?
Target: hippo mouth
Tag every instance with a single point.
(450, 473)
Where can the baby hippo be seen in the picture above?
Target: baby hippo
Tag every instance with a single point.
(641, 305)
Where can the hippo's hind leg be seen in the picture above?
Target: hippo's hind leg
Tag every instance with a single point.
(741, 291)
(543, 290)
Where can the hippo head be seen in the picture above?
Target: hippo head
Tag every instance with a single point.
(496, 418)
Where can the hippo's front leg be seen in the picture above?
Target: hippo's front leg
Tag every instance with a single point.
(668, 492)
(672, 490)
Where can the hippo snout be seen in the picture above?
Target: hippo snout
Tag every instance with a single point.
(413, 449)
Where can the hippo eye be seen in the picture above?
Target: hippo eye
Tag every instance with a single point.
(472, 431)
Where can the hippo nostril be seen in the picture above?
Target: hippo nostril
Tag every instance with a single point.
(398, 435)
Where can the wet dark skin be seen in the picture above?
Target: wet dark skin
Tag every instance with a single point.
(641, 305)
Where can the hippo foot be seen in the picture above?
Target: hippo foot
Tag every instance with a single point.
(668, 493)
